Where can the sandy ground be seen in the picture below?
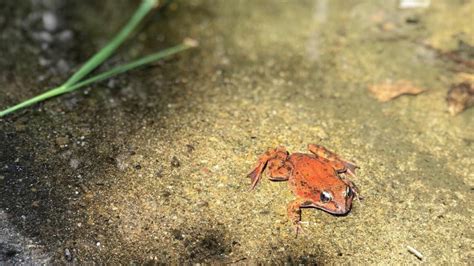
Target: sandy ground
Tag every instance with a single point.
(151, 166)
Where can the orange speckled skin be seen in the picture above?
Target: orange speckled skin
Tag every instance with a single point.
(318, 180)
(311, 176)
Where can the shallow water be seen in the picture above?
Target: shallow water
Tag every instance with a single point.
(152, 166)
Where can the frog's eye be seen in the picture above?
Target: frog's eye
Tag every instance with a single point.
(325, 196)
(348, 192)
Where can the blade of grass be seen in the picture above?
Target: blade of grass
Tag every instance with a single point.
(48, 94)
(145, 7)
(105, 75)
(137, 63)
(105, 52)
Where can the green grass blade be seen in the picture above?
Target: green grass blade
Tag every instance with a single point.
(105, 52)
(49, 94)
(124, 68)
(93, 62)
(112, 72)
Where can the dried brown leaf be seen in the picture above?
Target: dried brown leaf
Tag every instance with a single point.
(464, 77)
(390, 90)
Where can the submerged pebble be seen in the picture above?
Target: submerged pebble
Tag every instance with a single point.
(62, 141)
(67, 254)
(74, 163)
(175, 162)
(50, 21)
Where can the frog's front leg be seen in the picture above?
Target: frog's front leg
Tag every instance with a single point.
(271, 155)
(337, 163)
(353, 188)
(294, 212)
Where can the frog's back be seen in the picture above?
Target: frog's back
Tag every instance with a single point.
(310, 175)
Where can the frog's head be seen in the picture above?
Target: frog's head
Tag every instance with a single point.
(336, 200)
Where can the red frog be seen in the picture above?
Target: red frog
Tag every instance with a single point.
(315, 179)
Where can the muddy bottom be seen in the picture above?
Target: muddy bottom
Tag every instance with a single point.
(152, 166)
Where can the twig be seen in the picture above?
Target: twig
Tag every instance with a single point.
(415, 252)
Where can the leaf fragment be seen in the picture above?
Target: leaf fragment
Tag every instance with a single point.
(390, 90)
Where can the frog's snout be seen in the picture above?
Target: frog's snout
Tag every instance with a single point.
(342, 209)
(348, 206)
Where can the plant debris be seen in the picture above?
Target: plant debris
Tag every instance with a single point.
(415, 252)
(460, 97)
(463, 56)
(390, 90)
(408, 4)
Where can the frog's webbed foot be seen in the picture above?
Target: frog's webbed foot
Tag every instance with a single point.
(354, 189)
(350, 167)
(256, 174)
(294, 213)
(357, 195)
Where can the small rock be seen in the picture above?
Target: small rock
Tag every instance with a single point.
(74, 163)
(43, 61)
(67, 254)
(43, 36)
(165, 194)
(159, 172)
(20, 127)
(412, 20)
(121, 161)
(177, 234)
(202, 204)
(62, 141)
(112, 83)
(65, 36)
(62, 66)
(175, 162)
(50, 21)
(44, 46)
(84, 188)
(190, 148)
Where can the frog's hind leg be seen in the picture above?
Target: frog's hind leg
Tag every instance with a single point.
(279, 153)
(279, 170)
(338, 164)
